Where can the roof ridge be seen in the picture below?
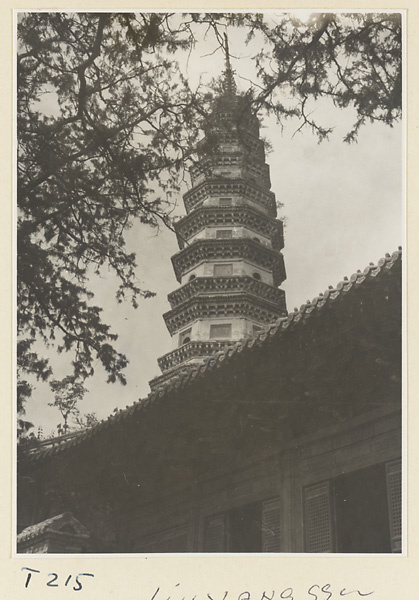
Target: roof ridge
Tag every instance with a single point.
(331, 294)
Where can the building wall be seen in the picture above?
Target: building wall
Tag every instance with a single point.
(282, 477)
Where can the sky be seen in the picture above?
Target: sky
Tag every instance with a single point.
(343, 207)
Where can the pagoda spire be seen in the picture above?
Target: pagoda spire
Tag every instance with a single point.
(229, 84)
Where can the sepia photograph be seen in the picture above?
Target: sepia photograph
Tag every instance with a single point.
(210, 326)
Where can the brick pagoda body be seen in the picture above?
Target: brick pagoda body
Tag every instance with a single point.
(230, 263)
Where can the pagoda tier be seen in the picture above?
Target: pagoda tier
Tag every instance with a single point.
(229, 264)
(232, 304)
(239, 190)
(191, 350)
(231, 166)
(232, 215)
(227, 142)
(209, 252)
(201, 286)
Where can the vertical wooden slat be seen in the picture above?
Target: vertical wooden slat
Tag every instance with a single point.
(318, 525)
(394, 493)
(271, 530)
(215, 533)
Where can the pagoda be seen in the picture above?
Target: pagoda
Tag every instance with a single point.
(230, 264)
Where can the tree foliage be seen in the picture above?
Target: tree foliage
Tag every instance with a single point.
(68, 394)
(105, 117)
(100, 115)
(353, 58)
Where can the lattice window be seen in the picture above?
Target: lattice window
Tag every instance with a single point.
(394, 491)
(221, 331)
(215, 533)
(318, 518)
(223, 234)
(271, 531)
(223, 270)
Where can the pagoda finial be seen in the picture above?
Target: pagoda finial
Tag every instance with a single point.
(229, 84)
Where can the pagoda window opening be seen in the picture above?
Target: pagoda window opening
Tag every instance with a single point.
(192, 277)
(220, 331)
(185, 337)
(223, 234)
(226, 201)
(223, 270)
(256, 276)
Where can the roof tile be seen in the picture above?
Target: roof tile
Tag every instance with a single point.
(276, 329)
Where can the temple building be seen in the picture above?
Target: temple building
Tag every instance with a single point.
(230, 263)
(267, 431)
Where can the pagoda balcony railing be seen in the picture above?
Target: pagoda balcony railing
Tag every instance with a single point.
(160, 380)
(193, 349)
(225, 285)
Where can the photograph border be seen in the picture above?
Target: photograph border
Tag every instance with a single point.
(152, 566)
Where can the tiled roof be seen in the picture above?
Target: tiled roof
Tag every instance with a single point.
(331, 295)
(55, 523)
